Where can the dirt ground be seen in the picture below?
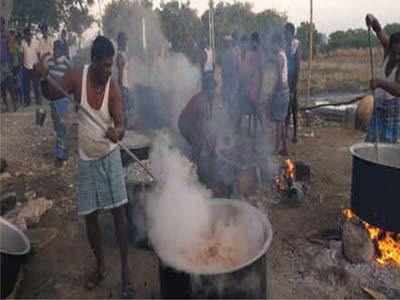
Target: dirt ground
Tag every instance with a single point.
(58, 269)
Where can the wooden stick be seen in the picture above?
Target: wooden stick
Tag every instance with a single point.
(55, 83)
(310, 52)
(371, 60)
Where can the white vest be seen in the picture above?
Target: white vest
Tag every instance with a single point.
(92, 141)
(284, 74)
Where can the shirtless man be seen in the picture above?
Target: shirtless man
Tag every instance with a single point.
(386, 116)
(100, 181)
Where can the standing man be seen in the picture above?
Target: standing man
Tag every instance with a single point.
(45, 43)
(230, 75)
(58, 66)
(14, 47)
(6, 77)
(64, 44)
(385, 118)
(122, 65)
(256, 62)
(100, 181)
(293, 53)
(280, 97)
(30, 50)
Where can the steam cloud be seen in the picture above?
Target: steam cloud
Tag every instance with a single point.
(178, 210)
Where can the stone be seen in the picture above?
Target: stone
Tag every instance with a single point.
(357, 246)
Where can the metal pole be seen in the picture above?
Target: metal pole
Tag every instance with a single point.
(212, 28)
(310, 58)
(310, 54)
(100, 24)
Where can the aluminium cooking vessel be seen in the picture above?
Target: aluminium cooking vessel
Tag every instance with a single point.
(248, 280)
(375, 193)
(14, 245)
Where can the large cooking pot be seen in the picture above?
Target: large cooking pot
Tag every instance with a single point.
(248, 280)
(375, 185)
(13, 248)
(138, 143)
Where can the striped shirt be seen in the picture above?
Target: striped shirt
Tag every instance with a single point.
(58, 67)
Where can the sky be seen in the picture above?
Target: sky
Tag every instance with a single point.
(330, 15)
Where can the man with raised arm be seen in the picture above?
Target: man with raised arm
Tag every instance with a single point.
(100, 181)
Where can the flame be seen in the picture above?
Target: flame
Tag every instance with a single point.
(387, 243)
(289, 168)
(283, 181)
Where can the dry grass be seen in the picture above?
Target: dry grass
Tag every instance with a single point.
(340, 71)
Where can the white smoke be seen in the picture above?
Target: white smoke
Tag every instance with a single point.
(178, 210)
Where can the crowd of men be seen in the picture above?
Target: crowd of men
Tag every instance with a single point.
(20, 52)
(241, 65)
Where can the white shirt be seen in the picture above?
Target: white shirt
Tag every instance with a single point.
(46, 46)
(30, 53)
(284, 70)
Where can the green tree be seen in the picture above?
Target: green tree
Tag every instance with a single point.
(229, 18)
(78, 19)
(182, 28)
(270, 20)
(352, 38)
(392, 28)
(72, 13)
(128, 16)
(303, 36)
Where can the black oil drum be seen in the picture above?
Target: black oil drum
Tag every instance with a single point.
(249, 280)
(375, 185)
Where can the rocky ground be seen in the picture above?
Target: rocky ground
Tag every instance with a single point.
(299, 269)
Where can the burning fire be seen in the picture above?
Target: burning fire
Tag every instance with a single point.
(286, 178)
(289, 168)
(387, 243)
